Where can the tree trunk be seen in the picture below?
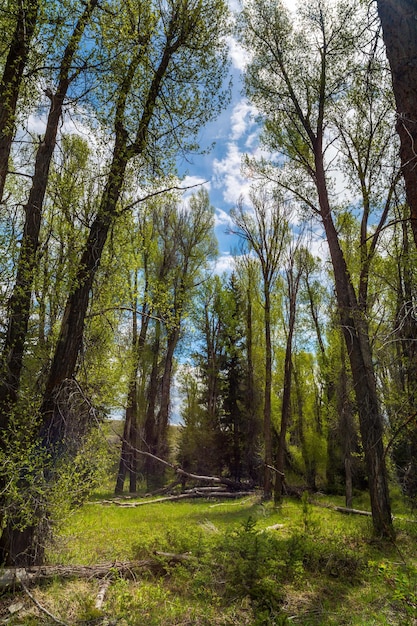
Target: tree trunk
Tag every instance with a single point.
(149, 426)
(267, 400)
(163, 413)
(27, 16)
(346, 428)
(19, 309)
(252, 433)
(399, 25)
(286, 394)
(26, 545)
(355, 332)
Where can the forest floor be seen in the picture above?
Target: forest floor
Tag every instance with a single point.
(241, 563)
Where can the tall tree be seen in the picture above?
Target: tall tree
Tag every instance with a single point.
(144, 250)
(160, 51)
(264, 229)
(293, 273)
(20, 301)
(399, 25)
(166, 64)
(186, 235)
(26, 17)
(295, 76)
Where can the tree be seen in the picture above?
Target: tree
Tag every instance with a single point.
(187, 244)
(180, 28)
(26, 18)
(293, 273)
(144, 245)
(296, 77)
(165, 63)
(20, 301)
(247, 270)
(399, 25)
(265, 231)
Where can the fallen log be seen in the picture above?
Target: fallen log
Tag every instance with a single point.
(15, 576)
(218, 480)
(341, 509)
(195, 493)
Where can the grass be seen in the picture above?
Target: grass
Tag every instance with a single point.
(318, 567)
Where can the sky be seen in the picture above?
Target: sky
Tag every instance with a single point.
(235, 133)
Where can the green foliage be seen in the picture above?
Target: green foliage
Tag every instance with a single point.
(316, 568)
(402, 580)
(252, 566)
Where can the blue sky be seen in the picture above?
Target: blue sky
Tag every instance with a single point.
(231, 133)
(235, 134)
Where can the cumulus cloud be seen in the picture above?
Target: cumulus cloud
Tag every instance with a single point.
(36, 124)
(225, 263)
(238, 55)
(228, 176)
(222, 219)
(242, 119)
(194, 182)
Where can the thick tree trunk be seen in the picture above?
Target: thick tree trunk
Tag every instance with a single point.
(130, 431)
(399, 26)
(163, 413)
(346, 428)
(355, 332)
(22, 546)
(19, 308)
(26, 19)
(149, 426)
(124, 456)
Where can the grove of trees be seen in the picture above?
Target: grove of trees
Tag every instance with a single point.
(300, 365)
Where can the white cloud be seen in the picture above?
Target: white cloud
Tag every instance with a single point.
(228, 176)
(224, 263)
(222, 219)
(238, 55)
(242, 119)
(36, 124)
(194, 182)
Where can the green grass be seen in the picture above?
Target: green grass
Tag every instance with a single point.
(318, 567)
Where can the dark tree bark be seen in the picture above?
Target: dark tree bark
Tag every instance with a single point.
(26, 19)
(252, 433)
(355, 331)
(267, 399)
(17, 545)
(128, 454)
(129, 441)
(293, 281)
(149, 439)
(346, 428)
(20, 301)
(166, 382)
(399, 26)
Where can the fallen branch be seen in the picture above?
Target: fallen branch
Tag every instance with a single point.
(190, 495)
(39, 606)
(15, 576)
(342, 509)
(105, 584)
(219, 480)
(172, 557)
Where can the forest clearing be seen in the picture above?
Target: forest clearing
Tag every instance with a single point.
(195, 434)
(224, 563)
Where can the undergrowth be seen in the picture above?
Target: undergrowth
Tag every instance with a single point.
(245, 564)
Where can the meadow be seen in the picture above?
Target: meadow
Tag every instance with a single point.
(240, 563)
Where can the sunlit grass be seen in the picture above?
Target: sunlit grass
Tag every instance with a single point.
(315, 567)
